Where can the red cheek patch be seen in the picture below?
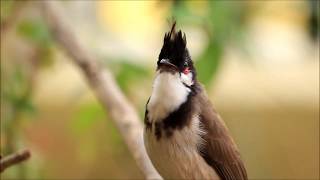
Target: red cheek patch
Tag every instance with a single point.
(186, 70)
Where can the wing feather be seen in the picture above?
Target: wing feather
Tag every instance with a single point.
(219, 150)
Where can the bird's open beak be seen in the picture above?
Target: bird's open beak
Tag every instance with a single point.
(166, 62)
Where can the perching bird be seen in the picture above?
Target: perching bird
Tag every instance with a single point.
(184, 136)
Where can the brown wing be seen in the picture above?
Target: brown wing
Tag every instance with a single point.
(219, 150)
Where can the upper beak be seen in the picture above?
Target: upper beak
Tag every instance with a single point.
(167, 62)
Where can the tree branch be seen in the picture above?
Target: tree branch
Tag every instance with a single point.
(105, 88)
(14, 159)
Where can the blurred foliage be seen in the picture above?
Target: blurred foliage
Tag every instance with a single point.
(19, 77)
(6, 8)
(37, 33)
(222, 21)
(314, 19)
(17, 93)
(126, 71)
(86, 116)
(15, 103)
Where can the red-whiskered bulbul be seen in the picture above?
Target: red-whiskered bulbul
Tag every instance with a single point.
(184, 136)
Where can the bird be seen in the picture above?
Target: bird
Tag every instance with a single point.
(184, 136)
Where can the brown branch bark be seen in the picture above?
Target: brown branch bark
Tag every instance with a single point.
(14, 159)
(105, 88)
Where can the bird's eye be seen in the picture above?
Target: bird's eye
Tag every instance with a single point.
(185, 64)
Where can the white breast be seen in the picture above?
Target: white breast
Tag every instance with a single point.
(168, 93)
(177, 157)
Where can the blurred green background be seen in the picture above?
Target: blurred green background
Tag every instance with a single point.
(259, 61)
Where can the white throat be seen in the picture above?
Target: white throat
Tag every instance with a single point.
(168, 93)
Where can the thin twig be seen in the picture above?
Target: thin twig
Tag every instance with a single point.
(14, 159)
(105, 88)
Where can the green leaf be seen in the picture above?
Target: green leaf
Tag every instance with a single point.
(35, 31)
(86, 116)
(209, 62)
(129, 72)
(15, 86)
(26, 105)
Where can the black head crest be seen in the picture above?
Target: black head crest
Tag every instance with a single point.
(175, 37)
(174, 47)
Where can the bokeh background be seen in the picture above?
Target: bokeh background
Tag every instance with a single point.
(259, 61)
